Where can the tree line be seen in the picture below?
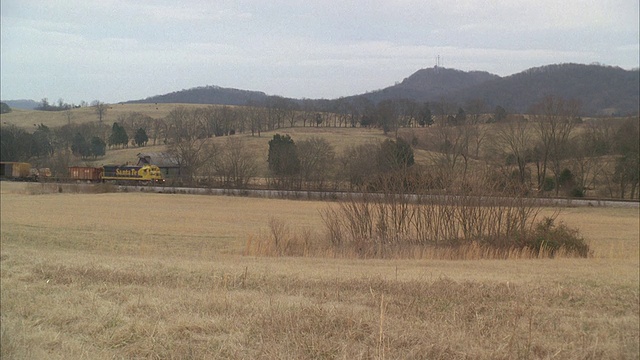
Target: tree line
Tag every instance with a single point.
(550, 151)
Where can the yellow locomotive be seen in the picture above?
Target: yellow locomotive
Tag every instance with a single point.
(144, 173)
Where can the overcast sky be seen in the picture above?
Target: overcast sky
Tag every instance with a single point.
(113, 50)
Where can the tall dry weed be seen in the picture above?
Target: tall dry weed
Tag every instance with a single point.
(282, 240)
(463, 225)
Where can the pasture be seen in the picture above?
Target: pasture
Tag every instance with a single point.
(139, 275)
(29, 119)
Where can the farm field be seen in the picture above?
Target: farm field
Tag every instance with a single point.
(339, 138)
(139, 275)
(28, 118)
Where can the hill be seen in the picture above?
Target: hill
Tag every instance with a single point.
(601, 90)
(21, 104)
(207, 95)
(431, 84)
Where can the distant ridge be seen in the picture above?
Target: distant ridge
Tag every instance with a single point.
(601, 90)
(207, 95)
(21, 104)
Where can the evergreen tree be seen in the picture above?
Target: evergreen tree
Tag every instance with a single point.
(118, 136)
(97, 147)
(141, 138)
(425, 118)
(499, 114)
(41, 141)
(79, 146)
(283, 157)
(395, 155)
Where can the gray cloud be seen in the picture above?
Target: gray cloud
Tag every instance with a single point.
(116, 50)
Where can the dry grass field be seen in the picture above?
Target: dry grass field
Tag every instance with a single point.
(27, 118)
(339, 138)
(139, 275)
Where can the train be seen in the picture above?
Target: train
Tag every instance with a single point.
(121, 174)
(132, 174)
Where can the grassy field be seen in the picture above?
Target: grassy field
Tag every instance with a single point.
(28, 119)
(339, 138)
(114, 275)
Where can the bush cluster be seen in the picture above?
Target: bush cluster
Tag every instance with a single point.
(551, 238)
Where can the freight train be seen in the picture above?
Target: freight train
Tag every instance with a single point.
(145, 174)
(121, 174)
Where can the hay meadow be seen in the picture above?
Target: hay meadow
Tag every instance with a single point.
(164, 276)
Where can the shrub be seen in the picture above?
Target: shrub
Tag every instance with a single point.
(552, 238)
(549, 184)
(576, 192)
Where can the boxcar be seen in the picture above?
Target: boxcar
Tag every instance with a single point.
(85, 173)
(15, 170)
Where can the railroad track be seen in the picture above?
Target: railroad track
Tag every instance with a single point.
(337, 195)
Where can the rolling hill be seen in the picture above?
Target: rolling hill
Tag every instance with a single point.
(21, 104)
(431, 85)
(601, 90)
(207, 95)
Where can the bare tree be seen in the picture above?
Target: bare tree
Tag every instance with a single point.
(101, 109)
(316, 159)
(587, 151)
(307, 112)
(177, 125)
(512, 140)
(69, 115)
(627, 168)
(257, 116)
(387, 116)
(279, 109)
(359, 164)
(450, 145)
(475, 111)
(555, 120)
(234, 163)
(190, 156)
(185, 143)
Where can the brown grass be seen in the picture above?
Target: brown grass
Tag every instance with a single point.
(340, 138)
(26, 118)
(101, 276)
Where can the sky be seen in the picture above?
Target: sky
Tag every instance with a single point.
(115, 50)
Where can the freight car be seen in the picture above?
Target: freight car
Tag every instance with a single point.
(85, 173)
(21, 171)
(124, 174)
